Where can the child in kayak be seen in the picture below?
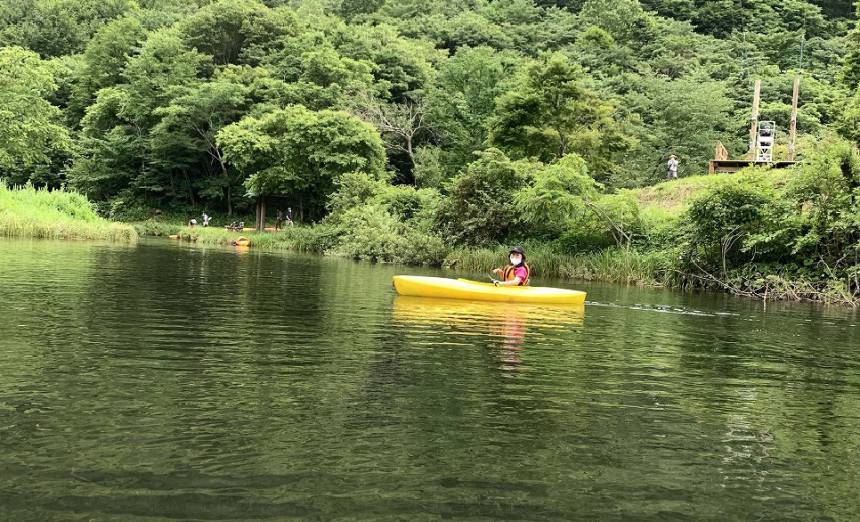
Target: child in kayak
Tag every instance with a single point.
(515, 274)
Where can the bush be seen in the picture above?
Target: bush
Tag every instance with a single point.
(371, 232)
(720, 221)
(480, 206)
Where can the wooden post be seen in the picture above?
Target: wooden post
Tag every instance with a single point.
(792, 135)
(753, 153)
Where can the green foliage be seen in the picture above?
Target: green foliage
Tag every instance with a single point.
(57, 27)
(300, 153)
(824, 207)
(235, 31)
(549, 113)
(58, 214)
(719, 223)
(851, 64)
(624, 20)
(462, 99)
(558, 198)
(104, 58)
(30, 133)
(371, 232)
(684, 117)
(374, 220)
(480, 206)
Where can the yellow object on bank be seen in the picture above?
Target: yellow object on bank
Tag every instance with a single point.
(422, 286)
(243, 241)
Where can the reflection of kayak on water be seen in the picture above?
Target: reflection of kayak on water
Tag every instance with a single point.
(442, 287)
(471, 314)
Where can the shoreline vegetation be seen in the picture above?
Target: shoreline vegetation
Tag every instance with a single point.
(612, 265)
(660, 251)
(61, 214)
(26, 211)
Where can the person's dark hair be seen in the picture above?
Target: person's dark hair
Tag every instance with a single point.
(519, 250)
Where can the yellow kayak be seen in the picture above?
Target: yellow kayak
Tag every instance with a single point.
(422, 286)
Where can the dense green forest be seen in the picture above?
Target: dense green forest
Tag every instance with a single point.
(405, 129)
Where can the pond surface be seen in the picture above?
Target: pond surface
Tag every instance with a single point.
(164, 382)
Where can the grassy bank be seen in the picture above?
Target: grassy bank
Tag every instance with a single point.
(612, 265)
(315, 239)
(57, 214)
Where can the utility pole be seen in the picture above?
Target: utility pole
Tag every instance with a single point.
(753, 152)
(792, 135)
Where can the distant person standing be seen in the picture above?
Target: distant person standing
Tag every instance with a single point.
(672, 167)
(206, 219)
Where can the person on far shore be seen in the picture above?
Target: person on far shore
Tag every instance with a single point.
(516, 273)
(672, 167)
(206, 219)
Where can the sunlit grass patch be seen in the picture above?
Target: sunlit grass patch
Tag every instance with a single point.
(56, 214)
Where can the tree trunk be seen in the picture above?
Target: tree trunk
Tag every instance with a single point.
(262, 226)
(229, 200)
(190, 190)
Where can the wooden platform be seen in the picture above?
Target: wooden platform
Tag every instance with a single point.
(727, 165)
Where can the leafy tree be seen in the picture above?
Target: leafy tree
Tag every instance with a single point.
(57, 27)
(564, 201)
(461, 101)
(400, 66)
(550, 113)
(825, 197)
(300, 154)
(236, 31)
(480, 207)
(401, 124)
(720, 224)
(685, 117)
(319, 76)
(558, 197)
(625, 20)
(104, 59)
(851, 67)
(30, 132)
(192, 120)
(116, 150)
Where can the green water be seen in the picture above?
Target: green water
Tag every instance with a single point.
(165, 382)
